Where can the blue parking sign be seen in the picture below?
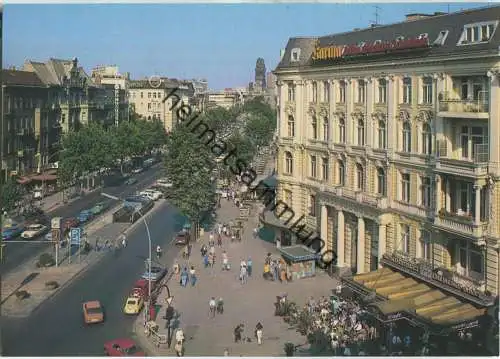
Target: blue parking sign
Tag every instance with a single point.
(75, 236)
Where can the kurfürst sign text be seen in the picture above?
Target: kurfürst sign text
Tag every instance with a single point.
(335, 52)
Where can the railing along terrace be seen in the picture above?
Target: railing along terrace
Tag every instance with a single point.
(441, 278)
(471, 106)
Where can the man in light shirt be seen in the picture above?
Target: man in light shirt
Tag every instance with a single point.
(212, 305)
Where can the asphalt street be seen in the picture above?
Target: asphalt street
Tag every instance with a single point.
(17, 253)
(57, 329)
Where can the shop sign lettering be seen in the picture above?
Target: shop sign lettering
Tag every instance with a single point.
(335, 52)
(395, 316)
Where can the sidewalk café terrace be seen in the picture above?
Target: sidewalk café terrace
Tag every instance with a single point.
(391, 296)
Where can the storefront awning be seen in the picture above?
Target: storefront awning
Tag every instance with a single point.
(413, 300)
(270, 218)
(298, 253)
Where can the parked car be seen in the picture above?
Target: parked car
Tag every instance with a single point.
(131, 181)
(99, 208)
(182, 238)
(9, 233)
(34, 230)
(85, 216)
(122, 348)
(92, 312)
(164, 182)
(133, 305)
(151, 194)
(157, 273)
(137, 170)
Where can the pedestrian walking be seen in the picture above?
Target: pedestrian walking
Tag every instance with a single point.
(124, 242)
(192, 276)
(255, 232)
(179, 349)
(184, 277)
(226, 352)
(220, 306)
(211, 307)
(259, 333)
(219, 240)
(243, 274)
(249, 266)
(225, 261)
(97, 245)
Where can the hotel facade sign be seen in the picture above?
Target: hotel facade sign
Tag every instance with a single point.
(336, 52)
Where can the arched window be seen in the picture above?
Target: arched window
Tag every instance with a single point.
(381, 187)
(426, 139)
(341, 172)
(360, 177)
(341, 130)
(361, 132)
(314, 128)
(326, 129)
(288, 163)
(406, 137)
(291, 126)
(382, 135)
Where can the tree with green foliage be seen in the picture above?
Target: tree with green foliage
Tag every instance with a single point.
(260, 129)
(189, 164)
(11, 194)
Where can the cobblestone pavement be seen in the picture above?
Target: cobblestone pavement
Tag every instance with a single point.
(101, 228)
(248, 304)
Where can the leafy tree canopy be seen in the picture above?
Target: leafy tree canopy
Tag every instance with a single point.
(10, 194)
(189, 164)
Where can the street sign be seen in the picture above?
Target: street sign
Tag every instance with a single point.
(55, 223)
(75, 236)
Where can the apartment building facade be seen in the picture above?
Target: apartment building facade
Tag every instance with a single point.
(389, 146)
(148, 98)
(40, 103)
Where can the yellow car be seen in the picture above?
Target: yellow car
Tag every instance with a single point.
(133, 305)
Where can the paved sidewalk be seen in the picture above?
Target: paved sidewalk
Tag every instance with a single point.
(248, 304)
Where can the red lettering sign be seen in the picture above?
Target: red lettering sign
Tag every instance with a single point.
(414, 43)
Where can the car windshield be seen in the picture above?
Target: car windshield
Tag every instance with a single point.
(34, 226)
(132, 302)
(130, 350)
(94, 310)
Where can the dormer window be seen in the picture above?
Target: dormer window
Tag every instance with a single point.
(400, 38)
(295, 55)
(423, 36)
(377, 42)
(478, 33)
(361, 44)
(441, 38)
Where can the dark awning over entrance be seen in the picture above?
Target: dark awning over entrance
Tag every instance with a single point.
(396, 297)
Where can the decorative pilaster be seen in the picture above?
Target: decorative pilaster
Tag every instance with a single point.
(382, 233)
(361, 246)
(324, 227)
(340, 239)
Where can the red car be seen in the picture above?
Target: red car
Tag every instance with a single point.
(122, 348)
(182, 238)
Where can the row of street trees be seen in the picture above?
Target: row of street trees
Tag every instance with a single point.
(94, 147)
(191, 164)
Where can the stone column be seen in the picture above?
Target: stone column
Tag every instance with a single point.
(392, 116)
(477, 205)
(324, 227)
(340, 238)
(369, 120)
(361, 246)
(282, 115)
(448, 195)
(381, 242)
(437, 194)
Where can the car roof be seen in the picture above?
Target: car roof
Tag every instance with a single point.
(92, 304)
(122, 342)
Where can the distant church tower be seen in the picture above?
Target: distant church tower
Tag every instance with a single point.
(260, 74)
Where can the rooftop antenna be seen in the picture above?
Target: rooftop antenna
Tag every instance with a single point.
(377, 16)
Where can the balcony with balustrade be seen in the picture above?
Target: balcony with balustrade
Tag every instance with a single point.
(453, 163)
(451, 106)
(445, 279)
(363, 198)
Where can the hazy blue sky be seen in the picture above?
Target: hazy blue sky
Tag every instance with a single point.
(219, 42)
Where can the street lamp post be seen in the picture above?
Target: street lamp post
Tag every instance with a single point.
(149, 251)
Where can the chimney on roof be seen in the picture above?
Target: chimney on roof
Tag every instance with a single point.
(418, 16)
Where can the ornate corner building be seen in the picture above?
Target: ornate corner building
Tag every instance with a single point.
(42, 101)
(389, 146)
